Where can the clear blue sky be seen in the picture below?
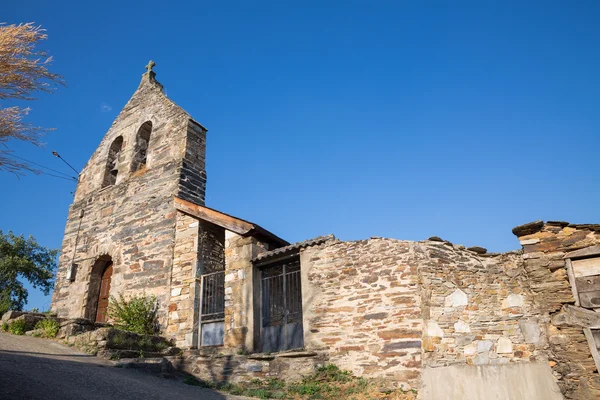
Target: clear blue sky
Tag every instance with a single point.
(396, 119)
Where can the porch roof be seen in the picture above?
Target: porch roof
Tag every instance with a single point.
(226, 221)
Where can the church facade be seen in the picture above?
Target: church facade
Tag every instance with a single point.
(408, 312)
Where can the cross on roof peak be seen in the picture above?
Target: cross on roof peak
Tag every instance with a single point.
(151, 64)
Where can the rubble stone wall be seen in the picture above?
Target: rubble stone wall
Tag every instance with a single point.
(477, 309)
(544, 248)
(361, 304)
(132, 223)
(388, 308)
(184, 297)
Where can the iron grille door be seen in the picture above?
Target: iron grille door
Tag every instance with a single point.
(212, 311)
(281, 307)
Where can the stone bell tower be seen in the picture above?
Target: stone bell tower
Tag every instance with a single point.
(120, 231)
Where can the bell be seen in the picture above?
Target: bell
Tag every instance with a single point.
(114, 171)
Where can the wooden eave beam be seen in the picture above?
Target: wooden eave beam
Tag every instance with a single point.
(228, 222)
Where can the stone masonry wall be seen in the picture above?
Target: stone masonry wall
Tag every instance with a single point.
(184, 299)
(133, 221)
(385, 308)
(242, 314)
(199, 248)
(477, 309)
(544, 248)
(361, 305)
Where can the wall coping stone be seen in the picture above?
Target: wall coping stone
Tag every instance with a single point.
(528, 228)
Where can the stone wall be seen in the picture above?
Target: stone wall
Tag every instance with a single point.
(477, 309)
(388, 308)
(544, 248)
(242, 313)
(211, 248)
(184, 297)
(362, 306)
(132, 223)
(221, 368)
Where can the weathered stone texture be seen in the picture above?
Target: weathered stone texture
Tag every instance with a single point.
(133, 221)
(362, 307)
(234, 368)
(478, 304)
(183, 299)
(242, 312)
(545, 246)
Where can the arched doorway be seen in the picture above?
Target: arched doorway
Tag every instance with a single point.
(99, 289)
(103, 297)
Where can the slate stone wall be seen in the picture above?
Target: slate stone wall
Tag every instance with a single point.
(184, 300)
(385, 308)
(362, 306)
(133, 221)
(544, 248)
(477, 309)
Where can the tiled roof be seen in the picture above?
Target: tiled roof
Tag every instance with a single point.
(293, 247)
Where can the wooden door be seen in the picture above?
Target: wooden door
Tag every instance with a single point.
(101, 313)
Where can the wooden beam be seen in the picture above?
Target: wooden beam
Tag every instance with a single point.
(572, 281)
(228, 222)
(593, 346)
(585, 252)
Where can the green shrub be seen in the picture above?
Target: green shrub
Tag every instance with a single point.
(49, 328)
(17, 327)
(138, 314)
(5, 326)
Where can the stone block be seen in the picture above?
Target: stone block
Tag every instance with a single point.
(462, 327)
(513, 300)
(470, 350)
(11, 314)
(432, 329)
(504, 346)
(531, 331)
(456, 299)
(484, 346)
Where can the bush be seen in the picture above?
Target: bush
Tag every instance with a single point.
(49, 328)
(5, 326)
(17, 327)
(138, 314)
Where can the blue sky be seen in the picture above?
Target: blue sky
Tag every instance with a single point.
(395, 119)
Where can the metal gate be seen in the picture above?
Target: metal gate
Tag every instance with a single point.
(281, 307)
(212, 311)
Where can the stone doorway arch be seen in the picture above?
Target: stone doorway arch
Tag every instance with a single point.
(99, 289)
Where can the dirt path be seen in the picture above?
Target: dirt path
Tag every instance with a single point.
(33, 368)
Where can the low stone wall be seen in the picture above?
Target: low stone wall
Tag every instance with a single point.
(114, 343)
(30, 318)
(216, 367)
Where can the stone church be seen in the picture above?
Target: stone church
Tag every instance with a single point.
(412, 313)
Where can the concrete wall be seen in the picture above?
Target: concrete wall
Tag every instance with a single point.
(532, 381)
